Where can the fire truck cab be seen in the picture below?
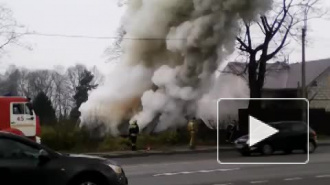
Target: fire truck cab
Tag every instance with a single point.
(18, 117)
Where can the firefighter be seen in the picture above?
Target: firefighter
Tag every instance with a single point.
(231, 131)
(192, 128)
(133, 133)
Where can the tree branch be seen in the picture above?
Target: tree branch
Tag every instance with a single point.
(286, 9)
(283, 40)
(248, 34)
(261, 28)
(243, 46)
(265, 24)
(9, 40)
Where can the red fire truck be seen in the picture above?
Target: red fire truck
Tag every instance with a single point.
(17, 116)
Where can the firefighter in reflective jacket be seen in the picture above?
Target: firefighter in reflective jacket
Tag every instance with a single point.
(133, 133)
(192, 128)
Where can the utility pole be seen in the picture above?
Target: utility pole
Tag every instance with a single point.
(303, 65)
(303, 73)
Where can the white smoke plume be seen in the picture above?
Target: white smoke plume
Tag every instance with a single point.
(172, 49)
(225, 86)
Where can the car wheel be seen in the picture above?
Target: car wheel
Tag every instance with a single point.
(89, 181)
(288, 151)
(311, 147)
(245, 153)
(267, 149)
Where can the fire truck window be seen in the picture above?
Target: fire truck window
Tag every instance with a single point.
(28, 110)
(18, 108)
(10, 149)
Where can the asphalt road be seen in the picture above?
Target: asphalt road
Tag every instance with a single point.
(203, 169)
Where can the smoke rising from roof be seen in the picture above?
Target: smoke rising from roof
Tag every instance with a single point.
(172, 71)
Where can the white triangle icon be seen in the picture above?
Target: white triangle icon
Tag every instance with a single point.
(259, 131)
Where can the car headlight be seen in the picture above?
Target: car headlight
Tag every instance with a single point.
(116, 169)
(38, 140)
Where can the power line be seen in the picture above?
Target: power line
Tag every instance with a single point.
(67, 36)
(101, 37)
(97, 37)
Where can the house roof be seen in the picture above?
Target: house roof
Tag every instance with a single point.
(281, 75)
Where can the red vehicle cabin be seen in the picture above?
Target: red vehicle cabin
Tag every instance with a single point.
(18, 117)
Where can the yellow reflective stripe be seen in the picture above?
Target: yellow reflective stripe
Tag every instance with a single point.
(132, 126)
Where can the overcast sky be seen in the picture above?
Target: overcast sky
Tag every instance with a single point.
(67, 17)
(98, 18)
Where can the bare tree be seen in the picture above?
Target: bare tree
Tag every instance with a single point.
(60, 84)
(74, 74)
(40, 81)
(23, 83)
(62, 95)
(8, 29)
(116, 50)
(9, 84)
(276, 28)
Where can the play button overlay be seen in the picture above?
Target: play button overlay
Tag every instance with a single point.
(259, 131)
(276, 132)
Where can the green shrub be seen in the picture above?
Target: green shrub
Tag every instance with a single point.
(164, 139)
(68, 137)
(65, 137)
(170, 138)
(114, 144)
(49, 137)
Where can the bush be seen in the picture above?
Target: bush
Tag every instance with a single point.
(68, 137)
(164, 139)
(114, 144)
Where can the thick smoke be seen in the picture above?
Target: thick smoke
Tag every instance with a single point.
(225, 86)
(172, 49)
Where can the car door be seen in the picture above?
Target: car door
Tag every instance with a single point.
(23, 118)
(18, 162)
(17, 116)
(281, 139)
(299, 135)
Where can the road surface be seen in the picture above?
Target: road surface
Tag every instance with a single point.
(203, 169)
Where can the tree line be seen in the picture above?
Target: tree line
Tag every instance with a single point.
(57, 94)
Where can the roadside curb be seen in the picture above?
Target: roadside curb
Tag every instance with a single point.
(154, 153)
(323, 143)
(173, 152)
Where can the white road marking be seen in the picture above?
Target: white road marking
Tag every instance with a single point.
(293, 179)
(169, 174)
(194, 172)
(259, 182)
(323, 176)
(186, 173)
(205, 171)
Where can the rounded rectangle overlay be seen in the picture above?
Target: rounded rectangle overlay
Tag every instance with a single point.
(270, 111)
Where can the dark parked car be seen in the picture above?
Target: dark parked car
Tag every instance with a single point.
(291, 136)
(23, 161)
